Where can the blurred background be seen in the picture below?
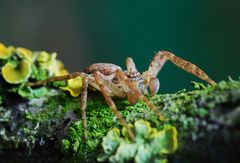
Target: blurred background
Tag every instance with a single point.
(204, 32)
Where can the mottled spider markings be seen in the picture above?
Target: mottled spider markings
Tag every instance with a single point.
(111, 80)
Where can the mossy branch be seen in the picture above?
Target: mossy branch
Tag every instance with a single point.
(54, 121)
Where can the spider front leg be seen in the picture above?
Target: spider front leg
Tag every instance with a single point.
(134, 94)
(162, 56)
(131, 65)
(111, 104)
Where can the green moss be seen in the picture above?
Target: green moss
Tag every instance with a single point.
(99, 120)
(39, 73)
(65, 145)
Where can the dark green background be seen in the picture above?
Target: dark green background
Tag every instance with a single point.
(204, 32)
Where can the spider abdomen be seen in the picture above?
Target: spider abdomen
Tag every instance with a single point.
(104, 68)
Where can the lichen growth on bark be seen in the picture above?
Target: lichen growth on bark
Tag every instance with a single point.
(149, 145)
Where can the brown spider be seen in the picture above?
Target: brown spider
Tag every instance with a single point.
(111, 80)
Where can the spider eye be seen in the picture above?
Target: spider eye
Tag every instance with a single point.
(154, 86)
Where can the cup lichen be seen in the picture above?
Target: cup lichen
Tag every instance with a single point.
(25, 54)
(50, 63)
(74, 86)
(20, 65)
(15, 74)
(149, 144)
(5, 52)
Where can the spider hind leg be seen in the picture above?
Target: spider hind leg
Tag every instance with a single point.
(56, 78)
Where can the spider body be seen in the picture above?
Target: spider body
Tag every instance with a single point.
(112, 81)
(107, 72)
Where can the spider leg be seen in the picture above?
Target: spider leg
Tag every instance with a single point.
(83, 101)
(131, 65)
(57, 78)
(133, 92)
(110, 102)
(162, 56)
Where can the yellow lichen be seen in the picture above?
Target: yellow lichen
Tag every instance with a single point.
(74, 86)
(169, 133)
(25, 54)
(11, 49)
(63, 72)
(16, 73)
(4, 52)
(43, 57)
(49, 62)
(53, 66)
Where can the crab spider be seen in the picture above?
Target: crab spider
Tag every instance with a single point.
(111, 80)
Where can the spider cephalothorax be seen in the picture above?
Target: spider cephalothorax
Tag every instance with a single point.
(111, 80)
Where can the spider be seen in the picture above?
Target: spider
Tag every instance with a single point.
(111, 80)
